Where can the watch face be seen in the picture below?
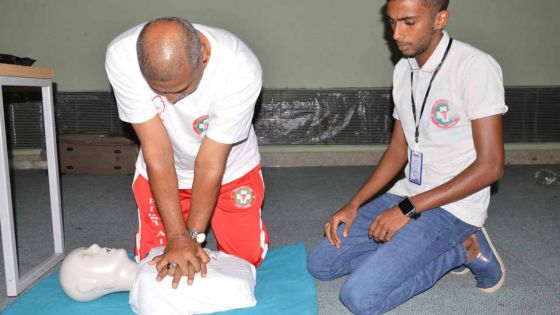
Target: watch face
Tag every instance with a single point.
(406, 206)
(200, 237)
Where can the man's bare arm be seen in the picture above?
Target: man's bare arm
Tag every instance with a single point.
(487, 168)
(158, 154)
(209, 169)
(392, 161)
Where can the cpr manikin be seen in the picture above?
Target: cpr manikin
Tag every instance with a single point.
(89, 273)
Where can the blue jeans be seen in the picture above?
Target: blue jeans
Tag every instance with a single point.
(385, 275)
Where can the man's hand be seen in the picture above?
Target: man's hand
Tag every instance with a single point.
(387, 224)
(186, 254)
(345, 215)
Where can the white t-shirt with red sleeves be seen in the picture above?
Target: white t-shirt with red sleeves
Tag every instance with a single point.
(221, 108)
(468, 86)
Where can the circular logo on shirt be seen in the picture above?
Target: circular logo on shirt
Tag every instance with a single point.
(243, 196)
(159, 103)
(442, 116)
(200, 124)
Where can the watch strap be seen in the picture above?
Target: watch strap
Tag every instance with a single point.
(198, 237)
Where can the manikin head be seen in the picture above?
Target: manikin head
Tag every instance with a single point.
(89, 273)
(172, 56)
(417, 26)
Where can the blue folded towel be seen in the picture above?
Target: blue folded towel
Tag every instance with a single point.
(284, 286)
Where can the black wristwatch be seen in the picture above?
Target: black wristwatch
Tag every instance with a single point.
(408, 209)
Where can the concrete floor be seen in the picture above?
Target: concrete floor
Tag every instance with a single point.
(523, 222)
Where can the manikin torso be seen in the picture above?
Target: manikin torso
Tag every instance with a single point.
(89, 273)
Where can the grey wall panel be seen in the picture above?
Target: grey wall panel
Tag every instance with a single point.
(88, 112)
(290, 116)
(534, 114)
(323, 117)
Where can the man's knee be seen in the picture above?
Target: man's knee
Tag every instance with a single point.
(318, 264)
(360, 301)
(256, 257)
(252, 251)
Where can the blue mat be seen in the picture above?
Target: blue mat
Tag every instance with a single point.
(284, 286)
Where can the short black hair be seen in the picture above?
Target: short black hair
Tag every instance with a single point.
(440, 5)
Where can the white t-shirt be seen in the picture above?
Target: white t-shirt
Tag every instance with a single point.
(468, 86)
(229, 284)
(221, 108)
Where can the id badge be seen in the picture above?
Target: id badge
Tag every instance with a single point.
(415, 167)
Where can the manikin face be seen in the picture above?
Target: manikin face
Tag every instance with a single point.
(415, 27)
(100, 259)
(89, 273)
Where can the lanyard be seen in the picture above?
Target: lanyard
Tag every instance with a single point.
(417, 122)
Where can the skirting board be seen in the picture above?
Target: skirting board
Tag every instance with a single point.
(340, 155)
(334, 155)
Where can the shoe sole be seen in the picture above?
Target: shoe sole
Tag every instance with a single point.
(500, 283)
(460, 273)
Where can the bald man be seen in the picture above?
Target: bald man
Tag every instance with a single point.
(189, 92)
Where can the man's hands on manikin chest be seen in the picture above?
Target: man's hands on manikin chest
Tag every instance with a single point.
(183, 253)
(189, 256)
(181, 249)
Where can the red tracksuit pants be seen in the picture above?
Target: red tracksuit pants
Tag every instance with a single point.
(236, 221)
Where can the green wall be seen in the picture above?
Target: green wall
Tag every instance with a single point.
(301, 43)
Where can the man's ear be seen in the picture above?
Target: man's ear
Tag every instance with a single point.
(442, 17)
(204, 53)
(86, 285)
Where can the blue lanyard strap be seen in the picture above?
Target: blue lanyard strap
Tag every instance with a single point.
(417, 122)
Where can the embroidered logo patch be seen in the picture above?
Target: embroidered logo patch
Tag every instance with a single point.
(243, 196)
(200, 124)
(442, 116)
(159, 103)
